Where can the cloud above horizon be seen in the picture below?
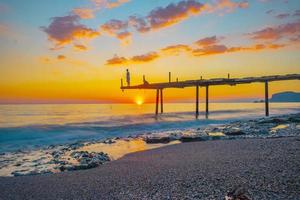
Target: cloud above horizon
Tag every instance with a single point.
(273, 33)
(67, 29)
(162, 17)
(198, 52)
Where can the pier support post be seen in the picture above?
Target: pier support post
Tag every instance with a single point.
(206, 100)
(267, 98)
(197, 101)
(157, 98)
(161, 101)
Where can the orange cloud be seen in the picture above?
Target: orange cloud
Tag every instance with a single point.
(61, 57)
(207, 41)
(228, 5)
(84, 13)
(145, 57)
(124, 37)
(117, 3)
(210, 50)
(176, 49)
(148, 57)
(80, 47)
(116, 60)
(208, 46)
(174, 13)
(288, 30)
(67, 29)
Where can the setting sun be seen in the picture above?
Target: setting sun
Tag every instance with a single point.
(139, 100)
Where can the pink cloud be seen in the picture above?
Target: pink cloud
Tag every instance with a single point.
(277, 32)
(282, 15)
(109, 3)
(173, 13)
(207, 41)
(67, 29)
(170, 15)
(84, 13)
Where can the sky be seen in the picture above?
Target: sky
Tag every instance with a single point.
(76, 51)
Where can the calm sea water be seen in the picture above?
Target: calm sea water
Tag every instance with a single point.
(32, 126)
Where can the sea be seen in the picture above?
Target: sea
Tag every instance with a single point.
(30, 126)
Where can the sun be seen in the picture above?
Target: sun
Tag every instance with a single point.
(139, 100)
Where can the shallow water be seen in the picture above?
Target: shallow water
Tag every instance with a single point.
(31, 126)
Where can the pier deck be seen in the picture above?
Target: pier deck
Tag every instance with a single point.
(210, 82)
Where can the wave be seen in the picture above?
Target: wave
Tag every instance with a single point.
(32, 135)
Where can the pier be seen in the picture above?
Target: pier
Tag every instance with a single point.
(159, 87)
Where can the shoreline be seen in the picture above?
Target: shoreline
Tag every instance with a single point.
(86, 155)
(256, 168)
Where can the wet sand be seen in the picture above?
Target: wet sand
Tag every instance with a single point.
(264, 168)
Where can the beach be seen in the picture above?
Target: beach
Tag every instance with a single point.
(248, 158)
(84, 155)
(257, 159)
(262, 168)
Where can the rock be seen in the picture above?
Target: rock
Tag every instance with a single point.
(18, 164)
(294, 119)
(16, 173)
(78, 154)
(193, 138)
(237, 194)
(56, 154)
(109, 141)
(75, 145)
(235, 132)
(272, 120)
(86, 160)
(155, 140)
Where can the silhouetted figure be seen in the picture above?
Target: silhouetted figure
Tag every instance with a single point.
(144, 81)
(228, 75)
(127, 77)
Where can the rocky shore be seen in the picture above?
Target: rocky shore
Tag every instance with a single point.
(86, 155)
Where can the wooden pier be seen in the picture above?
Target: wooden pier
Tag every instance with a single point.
(159, 87)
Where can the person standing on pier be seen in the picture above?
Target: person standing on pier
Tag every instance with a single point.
(127, 77)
